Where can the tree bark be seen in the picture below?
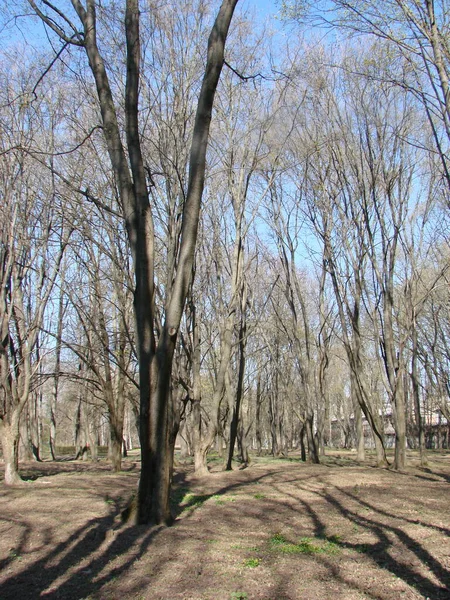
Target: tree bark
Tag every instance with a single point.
(240, 383)
(155, 363)
(155, 482)
(420, 421)
(10, 437)
(359, 430)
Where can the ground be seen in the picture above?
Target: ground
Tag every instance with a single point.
(278, 530)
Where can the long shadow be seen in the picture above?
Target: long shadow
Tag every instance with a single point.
(39, 580)
(16, 552)
(275, 507)
(443, 476)
(387, 514)
(378, 551)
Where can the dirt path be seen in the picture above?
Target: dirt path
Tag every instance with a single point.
(279, 530)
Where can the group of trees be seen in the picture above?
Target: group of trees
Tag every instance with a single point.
(262, 279)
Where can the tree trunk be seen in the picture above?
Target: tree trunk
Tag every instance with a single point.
(313, 454)
(200, 449)
(55, 391)
(420, 421)
(258, 435)
(115, 443)
(156, 469)
(80, 438)
(273, 421)
(352, 344)
(359, 430)
(244, 456)
(200, 460)
(240, 384)
(155, 363)
(400, 423)
(302, 443)
(10, 437)
(185, 440)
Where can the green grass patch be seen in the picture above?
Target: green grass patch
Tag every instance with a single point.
(14, 555)
(268, 459)
(251, 563)
(221, 499)
(305, 545)
(186, 500)
(194, 500)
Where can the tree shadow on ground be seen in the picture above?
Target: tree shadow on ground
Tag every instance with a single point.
(435, 473)
(379, 551)
(45, 578)
(100, 541)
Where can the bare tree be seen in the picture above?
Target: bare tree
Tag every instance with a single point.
(33, 239)
(155, 359)
(415, 30)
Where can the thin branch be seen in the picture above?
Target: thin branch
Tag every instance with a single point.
(58, 54)
(54, 25)
(245, 77)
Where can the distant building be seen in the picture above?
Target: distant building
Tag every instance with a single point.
(437, 432)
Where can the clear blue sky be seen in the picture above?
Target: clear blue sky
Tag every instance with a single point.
(263, 8)
(266, 7)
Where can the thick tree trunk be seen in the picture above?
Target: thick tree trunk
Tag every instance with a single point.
(200, 460)
(155, 364)
(10, 438)
(313, 454)
(156, 454)
(155, 483)
(115, 443)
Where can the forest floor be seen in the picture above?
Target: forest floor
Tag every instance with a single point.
(278, 530)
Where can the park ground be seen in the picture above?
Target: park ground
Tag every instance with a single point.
(277, 530)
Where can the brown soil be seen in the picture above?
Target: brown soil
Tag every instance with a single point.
(278, 530)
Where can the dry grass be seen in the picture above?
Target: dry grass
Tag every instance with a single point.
(279, 530)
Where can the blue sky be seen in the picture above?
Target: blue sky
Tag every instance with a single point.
(265, 6)
(263, 9)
